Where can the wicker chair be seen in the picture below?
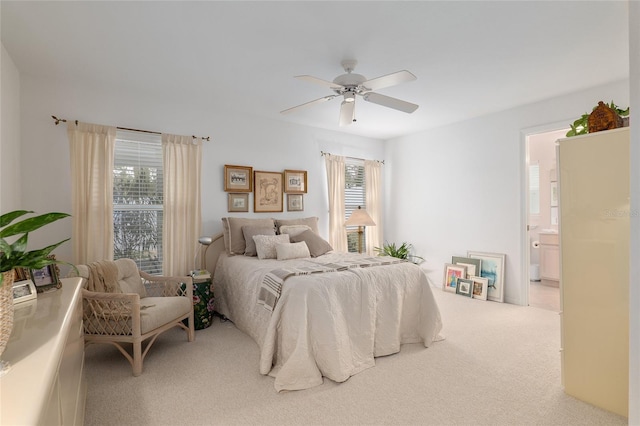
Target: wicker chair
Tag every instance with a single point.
(148, 306)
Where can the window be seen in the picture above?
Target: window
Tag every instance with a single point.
(138, 199)
(534, 189)
(354, 197)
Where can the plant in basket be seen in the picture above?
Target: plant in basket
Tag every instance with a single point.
(15, 255)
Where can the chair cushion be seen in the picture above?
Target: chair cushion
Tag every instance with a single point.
(128, 276)
(157, 311)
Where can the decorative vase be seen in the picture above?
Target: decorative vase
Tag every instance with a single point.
(6, 308)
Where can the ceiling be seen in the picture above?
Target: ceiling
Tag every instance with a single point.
(470, 58)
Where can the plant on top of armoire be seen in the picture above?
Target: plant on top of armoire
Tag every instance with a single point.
(581, 125)
(15, 255)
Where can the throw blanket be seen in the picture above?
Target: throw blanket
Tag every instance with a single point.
(271, 285)
(103, 277)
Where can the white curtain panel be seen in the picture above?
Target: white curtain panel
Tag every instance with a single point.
(336, 181)
(373, 188)
(92, 148)
(182, 206)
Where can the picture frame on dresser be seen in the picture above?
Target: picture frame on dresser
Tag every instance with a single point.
(46, 278)
(493, 265)
(267, 194)
(295, 181)
(23, 291)
(238, 178)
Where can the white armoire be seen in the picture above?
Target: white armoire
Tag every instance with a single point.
(594, 262)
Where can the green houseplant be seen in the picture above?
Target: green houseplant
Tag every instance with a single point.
(402, 251)
(15, 255)
(581, 125)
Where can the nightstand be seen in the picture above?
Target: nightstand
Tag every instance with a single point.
(202, 302)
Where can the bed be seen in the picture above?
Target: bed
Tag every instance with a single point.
(328, 315)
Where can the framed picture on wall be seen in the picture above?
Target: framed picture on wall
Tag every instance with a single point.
(295, 181)
(493, 269)
(238, 178)
(295, 203)
(267, 194)
(238, 202)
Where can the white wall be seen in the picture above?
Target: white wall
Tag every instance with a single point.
(459, 187)
(9, 135)
(239, 140)
(634, 278)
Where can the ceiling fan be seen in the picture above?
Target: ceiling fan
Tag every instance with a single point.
(350, 84)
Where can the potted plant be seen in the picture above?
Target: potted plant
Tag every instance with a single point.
(581, 125)
(15, 255)
(401, 252)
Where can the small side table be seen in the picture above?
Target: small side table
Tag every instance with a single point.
(202, 303)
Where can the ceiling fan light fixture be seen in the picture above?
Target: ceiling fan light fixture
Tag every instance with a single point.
(351, 84)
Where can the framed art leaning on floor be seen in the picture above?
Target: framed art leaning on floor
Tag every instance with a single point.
(492, 267)
(451, 275)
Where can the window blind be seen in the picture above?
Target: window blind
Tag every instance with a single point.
(138, 199)
(354, 197)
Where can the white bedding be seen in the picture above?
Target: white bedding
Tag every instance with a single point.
(328, 324)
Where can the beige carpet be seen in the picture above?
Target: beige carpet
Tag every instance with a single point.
(499, 365)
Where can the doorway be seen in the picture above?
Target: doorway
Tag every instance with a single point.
(542, 240)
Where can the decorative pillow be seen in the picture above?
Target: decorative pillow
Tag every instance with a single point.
(232, 232)
(293, 230)
(292, 251)
(311, 222)
(266, 245)
(249, 232)
(316, 244)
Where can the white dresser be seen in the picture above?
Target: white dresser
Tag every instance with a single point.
(594, 284)
(45, 384)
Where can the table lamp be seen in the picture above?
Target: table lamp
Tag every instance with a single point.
(360, 218)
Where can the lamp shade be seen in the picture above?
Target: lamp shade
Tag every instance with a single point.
(360, 217)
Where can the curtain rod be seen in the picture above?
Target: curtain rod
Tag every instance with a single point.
(322, 154)
(58, 120)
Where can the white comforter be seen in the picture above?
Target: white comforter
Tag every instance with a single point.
(329, 324)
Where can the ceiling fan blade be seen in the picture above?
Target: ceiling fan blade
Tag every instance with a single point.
(390, 102)
(347, 112)
(389, 80)
(321, 82)
(317, 101)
